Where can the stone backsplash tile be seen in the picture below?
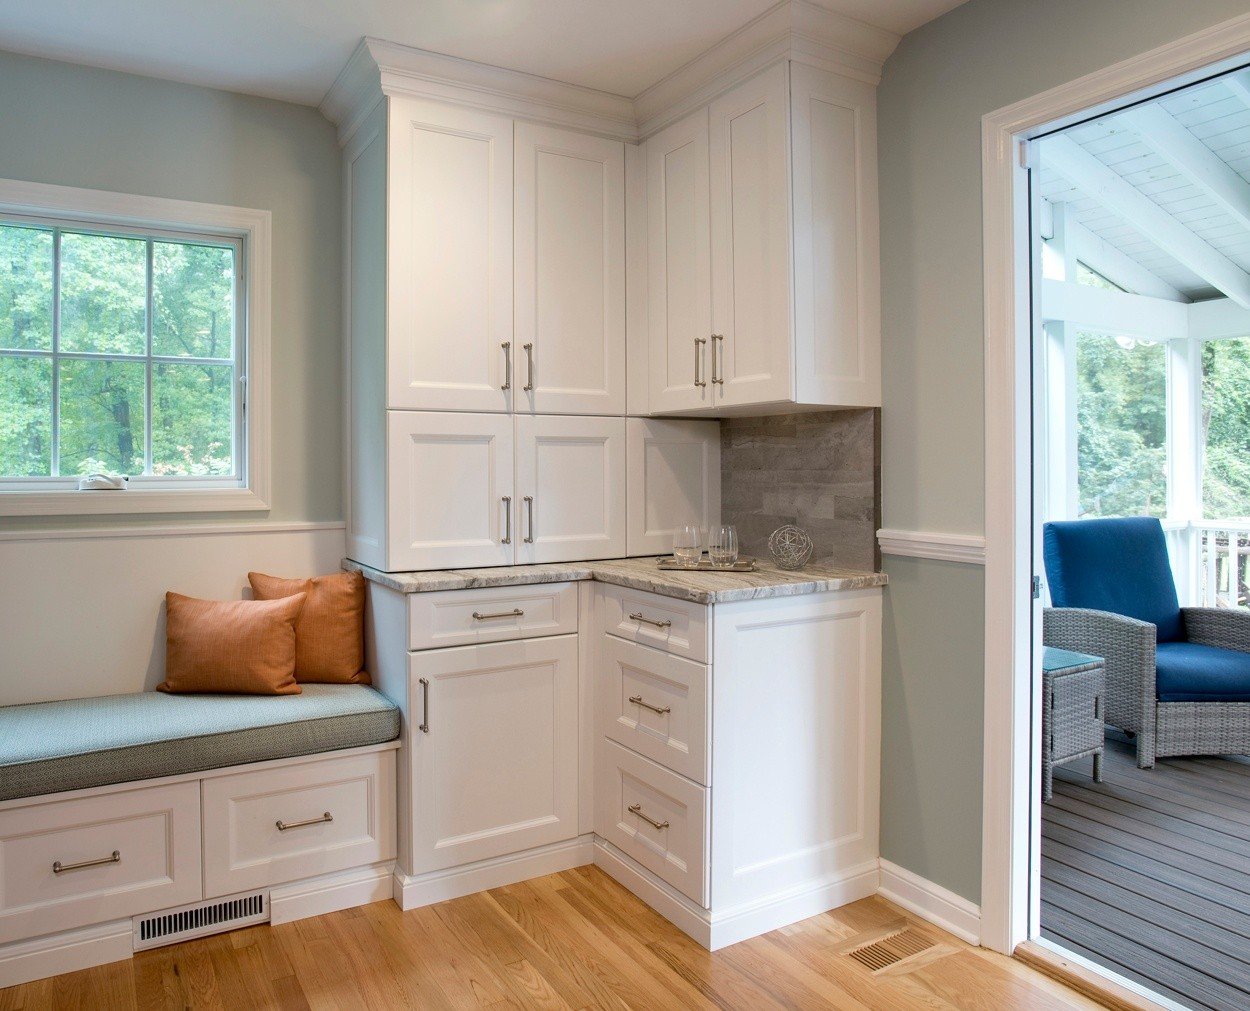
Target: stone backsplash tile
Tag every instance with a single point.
(820, 471)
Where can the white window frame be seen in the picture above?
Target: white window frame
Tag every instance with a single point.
(252, 229)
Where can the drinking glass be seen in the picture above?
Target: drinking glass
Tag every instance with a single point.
(722, 546)
(687, 545)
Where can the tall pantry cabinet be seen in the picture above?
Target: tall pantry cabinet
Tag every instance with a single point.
(486, 358)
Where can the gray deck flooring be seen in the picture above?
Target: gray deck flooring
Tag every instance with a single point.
(1148, 873)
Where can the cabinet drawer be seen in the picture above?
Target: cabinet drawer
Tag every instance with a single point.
(465, 617)
(75, 862)
(654, 703)
(297, 821)
(675, 626)
(666, 830)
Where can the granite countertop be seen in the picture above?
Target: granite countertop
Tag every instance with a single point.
(700, 587)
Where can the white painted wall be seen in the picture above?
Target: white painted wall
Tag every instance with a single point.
(83, 614)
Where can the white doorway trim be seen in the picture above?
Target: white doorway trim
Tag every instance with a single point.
(1007, 792)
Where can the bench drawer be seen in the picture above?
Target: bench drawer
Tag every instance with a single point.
(297, 821)
(653, 815)
(70, 863)
(466, 617)
(654, 703)
(676, 626)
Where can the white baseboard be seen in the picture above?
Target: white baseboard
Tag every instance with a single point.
(938, 905)
(330, 893)
(730, 926)
(413, 890)
(24, 961)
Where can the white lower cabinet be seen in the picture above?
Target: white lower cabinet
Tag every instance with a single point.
(68, 863)
(494, 749)
(740, 795)
(298, 821)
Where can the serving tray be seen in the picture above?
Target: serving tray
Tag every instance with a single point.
(705, 565)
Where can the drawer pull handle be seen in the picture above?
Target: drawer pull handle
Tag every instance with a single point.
(507, 365)
(507, 520)
(637, 809)
(516, 612)
(283, 826)
(424, 726)
(112, 858)
(638, 616)
(637, 700)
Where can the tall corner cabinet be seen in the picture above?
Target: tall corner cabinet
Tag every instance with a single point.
(763, 274)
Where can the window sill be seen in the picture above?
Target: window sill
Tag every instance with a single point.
(65, 502)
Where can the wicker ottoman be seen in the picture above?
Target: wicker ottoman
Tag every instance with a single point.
(1072, 708)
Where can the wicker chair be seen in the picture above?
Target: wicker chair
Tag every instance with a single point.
(1178, 678)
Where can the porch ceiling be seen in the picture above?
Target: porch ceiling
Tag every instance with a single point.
(1189, 155)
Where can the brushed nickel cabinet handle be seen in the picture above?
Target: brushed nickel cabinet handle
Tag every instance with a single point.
(284, 826)
(637, 809)
(424, 726)
(698, 361)
(637, 700)
(529, 515)
(507, 365)
(516, 612)
(529, 367)
(507, 520)
(638, 616)
(112, 858)
(718, 338)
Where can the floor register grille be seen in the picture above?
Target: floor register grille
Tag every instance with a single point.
(890, 950)
(200, 919)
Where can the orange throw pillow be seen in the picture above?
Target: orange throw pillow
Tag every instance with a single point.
(330, 633)
(238, 646)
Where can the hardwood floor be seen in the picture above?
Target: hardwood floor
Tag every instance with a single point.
(571, 940)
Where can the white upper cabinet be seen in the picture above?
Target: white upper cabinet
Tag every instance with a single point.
(570, 479)
(449, 491)
(763, 281)
(680, 266)
(837, 272)
(449, 274)
(674, 478)
(570, 273)
(751, 354)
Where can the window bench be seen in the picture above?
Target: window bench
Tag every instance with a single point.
(113, 809)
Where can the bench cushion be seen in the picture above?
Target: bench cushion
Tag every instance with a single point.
(51, 747)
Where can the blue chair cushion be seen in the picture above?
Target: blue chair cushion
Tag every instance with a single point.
(1188, 672)
(1116, 565)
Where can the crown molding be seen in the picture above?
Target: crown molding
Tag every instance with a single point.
(792, 29)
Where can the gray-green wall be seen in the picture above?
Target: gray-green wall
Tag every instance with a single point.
(77, 126)
(938, 84)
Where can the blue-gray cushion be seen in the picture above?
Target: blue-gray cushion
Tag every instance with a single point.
(1116, 565)
(51, 747)
(1188, 672)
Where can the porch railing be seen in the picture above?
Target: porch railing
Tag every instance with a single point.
(1221, 554)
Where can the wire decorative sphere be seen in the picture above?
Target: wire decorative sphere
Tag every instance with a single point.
(790, 547)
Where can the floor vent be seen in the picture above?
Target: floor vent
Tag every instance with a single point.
(200, 919)
(891, 949)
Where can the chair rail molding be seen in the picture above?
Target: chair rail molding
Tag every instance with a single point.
(1008, 915)
(967, 548)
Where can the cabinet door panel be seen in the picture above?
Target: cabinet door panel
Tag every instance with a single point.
(750, 203)
(450, 248)
(795, 760)
(679, 265)
(570, 272)
(448, 479)
(674, 478)
(496, 771)
(573, 470)
(837, 287)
